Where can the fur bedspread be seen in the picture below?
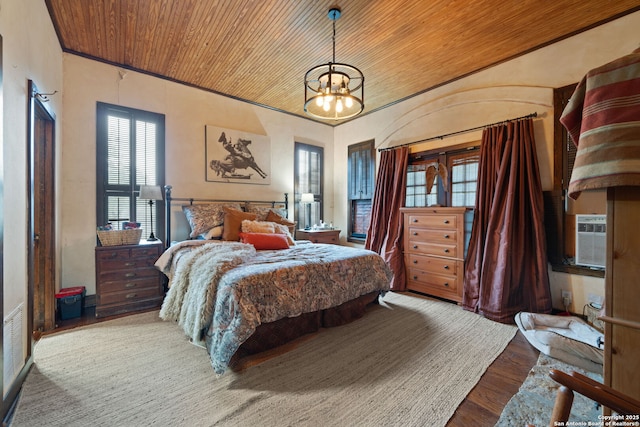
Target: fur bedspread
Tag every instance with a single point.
(227, 290)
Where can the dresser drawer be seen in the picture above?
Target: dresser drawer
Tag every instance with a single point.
(449, 222)
(132, 295)
(433, 264)
(127, 275)
(432, 235)
(449, 251)
(449, 283)
(126, 264)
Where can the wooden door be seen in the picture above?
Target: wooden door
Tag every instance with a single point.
(42, 216)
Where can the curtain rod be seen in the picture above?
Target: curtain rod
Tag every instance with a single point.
(528, 116)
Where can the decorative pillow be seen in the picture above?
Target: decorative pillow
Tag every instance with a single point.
(258, 227)
(204, 217)
(214, 234)
(263, 211)
(279, 219)
(283, 229)
(233, 223)
(265, 241)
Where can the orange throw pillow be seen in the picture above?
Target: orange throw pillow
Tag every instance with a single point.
(265, 241)
(233, 223)
(279, 219)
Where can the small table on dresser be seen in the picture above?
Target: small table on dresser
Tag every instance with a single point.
(319, 236)
(126, 279)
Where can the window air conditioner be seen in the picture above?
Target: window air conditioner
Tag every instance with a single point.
(591, 240)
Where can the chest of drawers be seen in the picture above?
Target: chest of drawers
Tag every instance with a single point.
(126, 279)
(434, 242)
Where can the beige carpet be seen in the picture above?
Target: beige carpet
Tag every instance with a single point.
(409, 361)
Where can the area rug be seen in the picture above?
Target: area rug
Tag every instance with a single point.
(408, 362)
(534, 401)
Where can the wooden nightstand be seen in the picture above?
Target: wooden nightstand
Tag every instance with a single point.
(126, 279)
(319, 236)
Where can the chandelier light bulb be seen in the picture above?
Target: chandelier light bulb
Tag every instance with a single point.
(319, 100)
(327, 104)
(348, 102)
(339, 105)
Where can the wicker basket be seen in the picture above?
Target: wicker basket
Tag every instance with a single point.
(120, 237)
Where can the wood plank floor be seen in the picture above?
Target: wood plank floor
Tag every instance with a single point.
(482, 407)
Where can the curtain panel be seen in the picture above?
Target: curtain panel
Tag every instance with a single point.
(386, 229)
(506, 267)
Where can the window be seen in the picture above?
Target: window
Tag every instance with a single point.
(425, 177)
(560, 210)
(361, 175)
(308, 170)
(130, 153)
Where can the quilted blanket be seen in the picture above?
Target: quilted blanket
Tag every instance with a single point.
(227, 290)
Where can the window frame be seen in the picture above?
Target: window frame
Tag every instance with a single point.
(445, 155)
(317, 210)
(364, 180)
(555, 200)
(131, 190)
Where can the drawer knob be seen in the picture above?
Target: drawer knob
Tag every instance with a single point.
(415, 277)
(415, 220)
(415, 233)
(415, 246)
(130, 285)
(446, 221)
(130, 264)
(446, 267)
(446, 284)
(446, 236)
(130, 275)
(415, 261)
(129, 296)
(446, 251)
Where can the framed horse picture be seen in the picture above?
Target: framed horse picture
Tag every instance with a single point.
(235, 156)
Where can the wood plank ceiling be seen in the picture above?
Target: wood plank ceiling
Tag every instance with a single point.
(259, 50)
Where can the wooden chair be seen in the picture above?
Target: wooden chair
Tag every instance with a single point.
(606, 396)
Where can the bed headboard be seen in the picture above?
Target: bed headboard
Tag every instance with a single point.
(170, 201)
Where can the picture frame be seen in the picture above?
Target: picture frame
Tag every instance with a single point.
(234, 156)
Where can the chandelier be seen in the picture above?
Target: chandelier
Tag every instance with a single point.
(333, 91)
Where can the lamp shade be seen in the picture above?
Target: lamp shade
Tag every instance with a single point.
(307, 198)
(150, 192)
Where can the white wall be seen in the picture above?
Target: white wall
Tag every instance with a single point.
(30, 51)
(187, 111)
(512, 89)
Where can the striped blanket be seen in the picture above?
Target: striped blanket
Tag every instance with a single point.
(603, 120)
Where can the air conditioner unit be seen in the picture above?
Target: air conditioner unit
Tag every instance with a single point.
(591, 240)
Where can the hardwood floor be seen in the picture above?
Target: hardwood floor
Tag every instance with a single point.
(482, 407)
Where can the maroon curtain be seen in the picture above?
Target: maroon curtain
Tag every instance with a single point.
(506, 267)
(385, 231)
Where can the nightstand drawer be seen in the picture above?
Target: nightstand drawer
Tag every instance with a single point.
(128, 285)
(125, 275)
(128, 296)
(319, 236)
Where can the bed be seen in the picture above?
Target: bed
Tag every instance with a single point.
(243, 297)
